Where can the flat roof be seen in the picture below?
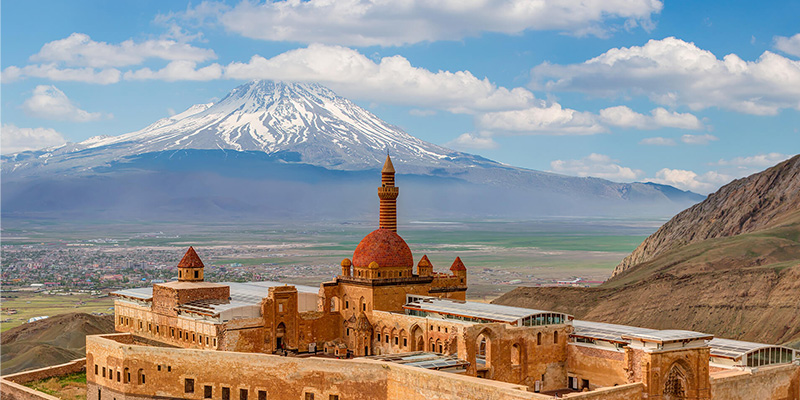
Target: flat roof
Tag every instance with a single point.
(487, 311)
(669, 335)
(145, 293)
(624, 333)
(423, 359)
(242, 294)
(607, 332)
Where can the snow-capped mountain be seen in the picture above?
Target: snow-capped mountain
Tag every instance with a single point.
(291, 133)
(273, 117)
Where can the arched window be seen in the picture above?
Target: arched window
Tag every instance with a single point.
(555, 337)
(140, 377)
(539, 339)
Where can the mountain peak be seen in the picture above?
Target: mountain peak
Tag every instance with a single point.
(306, 119)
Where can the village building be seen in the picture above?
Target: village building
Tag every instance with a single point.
(412, 335)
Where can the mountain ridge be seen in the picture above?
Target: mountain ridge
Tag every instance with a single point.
(293, 127)
(729, 266)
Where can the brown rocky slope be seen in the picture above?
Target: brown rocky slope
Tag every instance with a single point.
(50, 341)
(744, 205)
(729, 266)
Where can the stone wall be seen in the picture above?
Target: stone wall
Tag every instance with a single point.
(766, 383)
(601, 367)
(622, 392)
(166, 370)
(11, 386)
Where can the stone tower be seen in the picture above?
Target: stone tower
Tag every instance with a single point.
(388, 194)
(190, 269)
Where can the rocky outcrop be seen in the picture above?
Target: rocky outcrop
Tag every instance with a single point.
(745, 205)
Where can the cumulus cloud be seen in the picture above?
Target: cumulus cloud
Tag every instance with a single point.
(391, 80)
(80, 50)
(472, 141)
(788, 45)
(177, 71)
(391, 23)
(726, 171)
(689, 180)
(596, 165)
(699, 139)
(49, 102)
(674, 72)
(78, 58)
(624, 117)
(15, 140)
(658, 141)
(55, 73)
(548, 119)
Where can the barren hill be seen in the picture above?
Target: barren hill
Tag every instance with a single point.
(50, 341)
(729, 266)
(745, 205)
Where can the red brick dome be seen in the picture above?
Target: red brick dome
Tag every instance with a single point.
(384, 247)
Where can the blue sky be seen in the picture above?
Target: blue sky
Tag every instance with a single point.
(691, 94)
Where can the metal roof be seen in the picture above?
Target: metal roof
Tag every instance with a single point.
(422, 359)
(624, 333)
(735, 349)
(145, 293)
(493, 312)
(243, 294)
(669, 335)
(607, 332)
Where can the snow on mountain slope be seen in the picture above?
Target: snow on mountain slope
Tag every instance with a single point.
(327, 130)
(300, 125)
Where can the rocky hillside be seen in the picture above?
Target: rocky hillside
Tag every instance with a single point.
(50, 341)
(745, 205)
(729, 266)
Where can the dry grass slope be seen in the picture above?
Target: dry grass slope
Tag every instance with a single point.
(51, 341)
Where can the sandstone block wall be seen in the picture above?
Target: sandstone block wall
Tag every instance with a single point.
(11, 387)
(166, 371)
(602, 368)
(767, 383)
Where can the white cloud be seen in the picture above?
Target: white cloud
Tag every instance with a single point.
(15, 140)
(546, 119)
(624, 117)
(689, 180)
(177, 71)
(710, 181)
(391, 80)
(392, 23)
(471, 141)
(54, 73)
(657, 141)
(788, 45)
(596, 165)
(673, 72)
(698, 139)
(80, 50)
(49, 102)
(758, 160)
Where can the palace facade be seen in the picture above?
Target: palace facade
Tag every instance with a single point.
(413, 336)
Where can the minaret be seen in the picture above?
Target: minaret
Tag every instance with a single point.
(388, 194)
(190, 269)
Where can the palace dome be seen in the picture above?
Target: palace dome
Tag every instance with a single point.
(384, 247)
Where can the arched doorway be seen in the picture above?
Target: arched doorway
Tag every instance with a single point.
(279, 334)
(676, 383)
(417, 339)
